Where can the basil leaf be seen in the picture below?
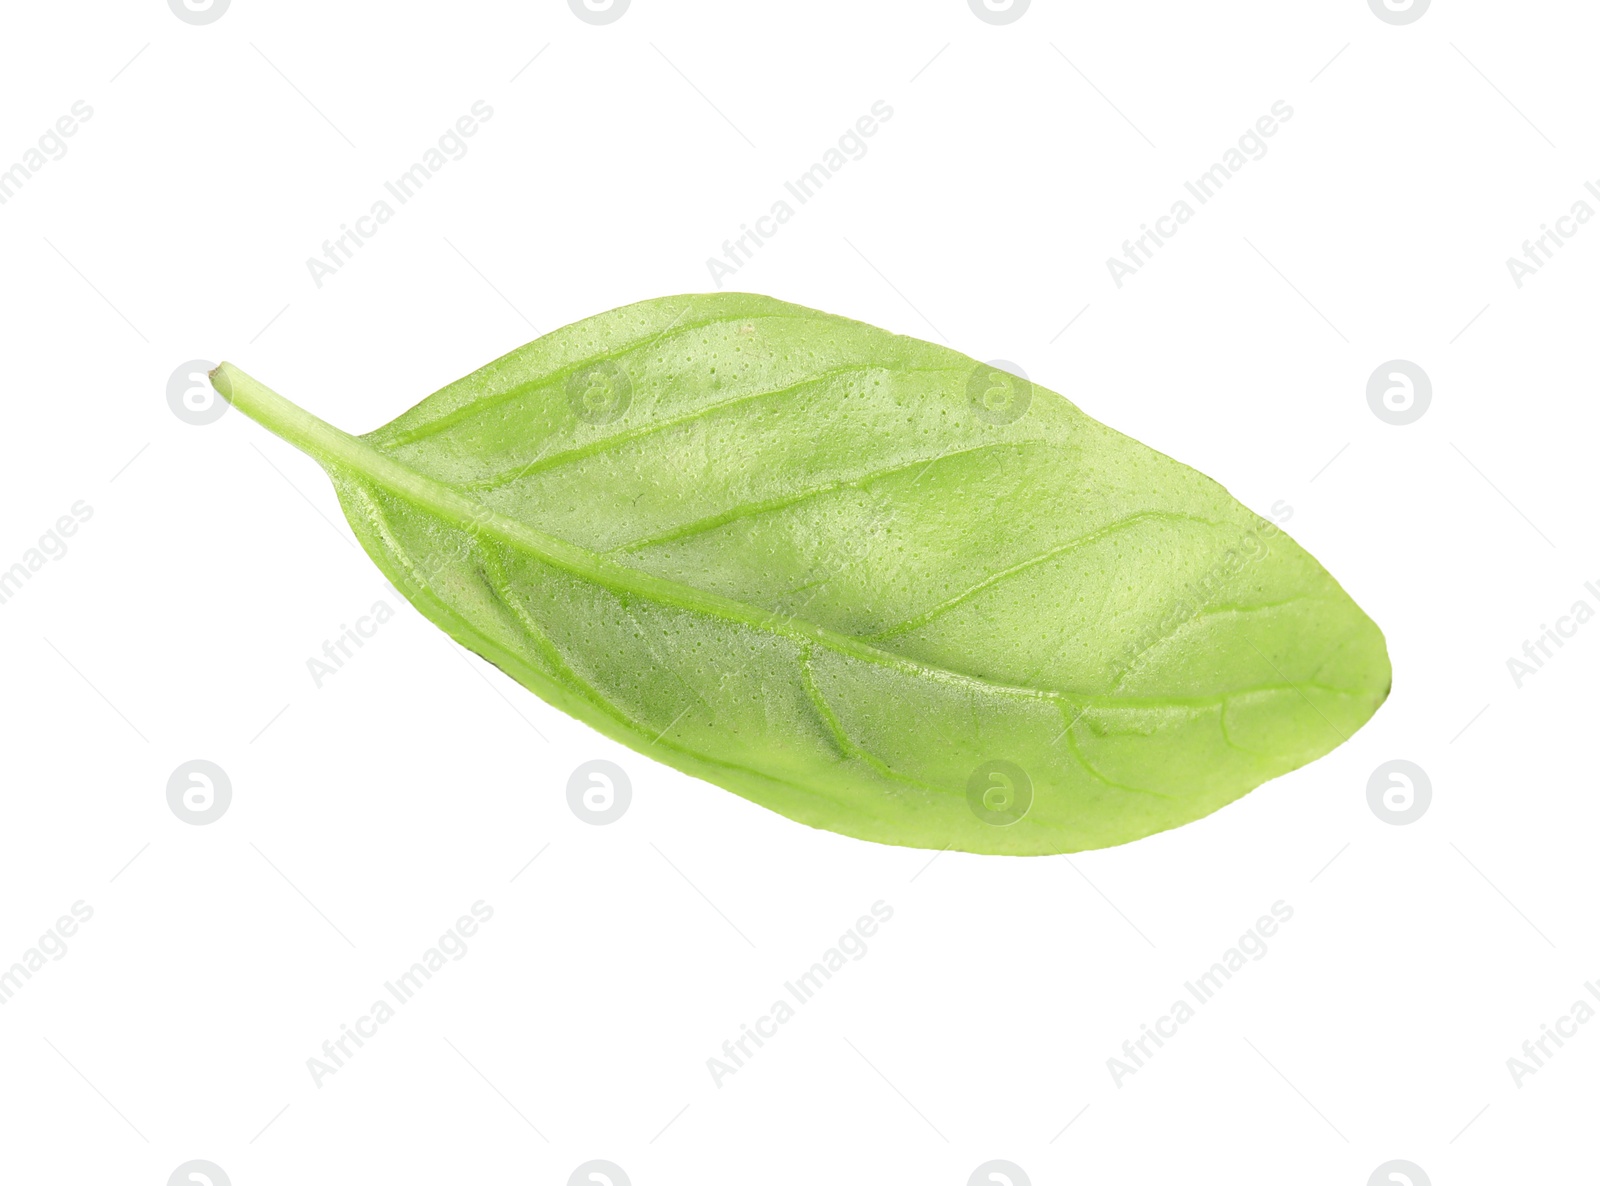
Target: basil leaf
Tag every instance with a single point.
(859, 579)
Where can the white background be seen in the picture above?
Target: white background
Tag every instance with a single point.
(369, 813)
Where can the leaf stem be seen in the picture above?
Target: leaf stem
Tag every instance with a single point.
(339, 452)
(350, 458)
(288, 420)
(344, 455)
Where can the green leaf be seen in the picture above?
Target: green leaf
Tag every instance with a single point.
(857, 578)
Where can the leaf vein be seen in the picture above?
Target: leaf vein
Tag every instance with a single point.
(753, 509)
(514, 474)
(918, 621)
(494, 399)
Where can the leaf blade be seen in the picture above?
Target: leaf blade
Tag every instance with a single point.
(793, 555)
